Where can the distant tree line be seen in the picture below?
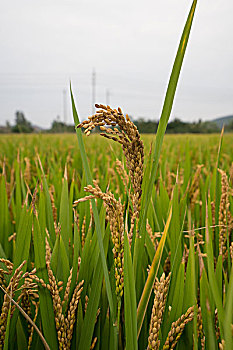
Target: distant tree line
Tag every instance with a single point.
(177, 126)
(58, 127)
(22, 125)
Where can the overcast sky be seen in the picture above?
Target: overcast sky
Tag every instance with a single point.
(131, 45)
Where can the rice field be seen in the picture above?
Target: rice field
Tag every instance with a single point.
(117, 240)
(50, 260)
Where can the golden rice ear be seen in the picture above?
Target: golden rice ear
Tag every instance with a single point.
(225, 217)
(153, 235)
(31, 331)
(200, 332)
(67, 290)
(160, 290)
(177, 329)
(10, 289)
(231, 251)
(194, 187)
(64, 319)
(122, 173)
(222, 345)
(115, 211)
(71, 314)
(127, 135)
(27, 171)
(54, 209)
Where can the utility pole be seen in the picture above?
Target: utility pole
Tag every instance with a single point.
(64, 107)
(93, 90)
(107, 97)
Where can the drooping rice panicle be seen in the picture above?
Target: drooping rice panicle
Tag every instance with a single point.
(32, 328)
(128, 136)
(71, 313)
(167, 264)
(194, 187)
(54, 209)
(10, 289)
(225, 218)
(177, 329)
(115, 212)
(67, 290)
(153, 236)
(160, 290)
(122, 172)
(83, 230)
(222, 345)
(27, 171)
(64, 319)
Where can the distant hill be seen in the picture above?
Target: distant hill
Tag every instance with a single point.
(37, 128)
(222, 121)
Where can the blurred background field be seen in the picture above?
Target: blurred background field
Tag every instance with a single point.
(58, 149)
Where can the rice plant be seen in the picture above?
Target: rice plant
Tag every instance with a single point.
(125, 243)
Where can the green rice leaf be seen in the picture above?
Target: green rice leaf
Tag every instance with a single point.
(93, 302)
(129, 299)
(21, 334)
(157, 146)
(167, 107)
(190, 294)
(23, 238)
(18, 190)
(49, 210)
(65, 215)
(228, 314)
(212, 277)
(5, 225)
(207, 311)
(175, 300)
(59, 261)
(218, 191)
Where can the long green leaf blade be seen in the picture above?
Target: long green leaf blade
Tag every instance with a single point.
(167, 107)
(129, 299)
